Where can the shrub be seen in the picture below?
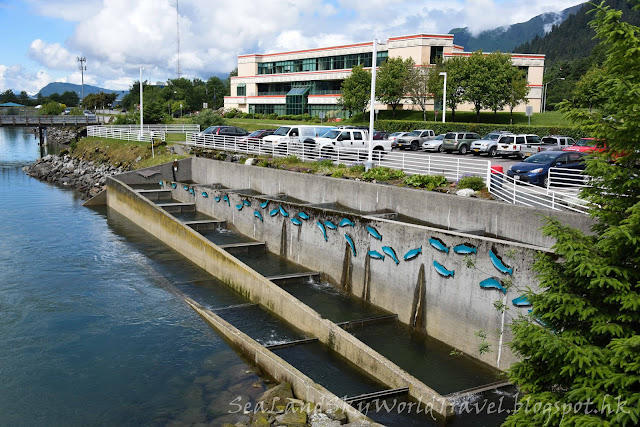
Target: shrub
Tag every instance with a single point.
(324, 163)
(208, 118)
(474, 182)
(382, 174)
(338, 173)
(357, 168)
(425, 181)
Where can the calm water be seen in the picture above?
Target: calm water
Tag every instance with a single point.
(92, 331)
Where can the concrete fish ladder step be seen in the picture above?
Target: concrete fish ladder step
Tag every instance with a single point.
(291, 343)
(294, 278)
(244, 248)
(382, 394)
(359, 323)
(476, 390)
(206, 224)
(178, 207)
(155, 194)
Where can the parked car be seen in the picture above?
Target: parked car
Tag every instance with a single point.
(511, 146)
(488, 144)
(380, 134)
(414, 139)
(255, 136)
(66, 111)
(459, 141)
(328, 144)
(220, 131)
(434, 144)
(294, 136)
(535, 169)
(587, 145)
(549, 142)
(394, 138)
(88, 114)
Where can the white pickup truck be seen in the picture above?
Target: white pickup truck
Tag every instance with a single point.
(356, 139)
(292, 136)
(550, 142)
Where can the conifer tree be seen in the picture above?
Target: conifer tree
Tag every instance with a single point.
(580, 348)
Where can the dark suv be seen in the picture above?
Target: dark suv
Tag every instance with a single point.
(221, 131)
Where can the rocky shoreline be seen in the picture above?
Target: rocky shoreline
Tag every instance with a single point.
(86, 177)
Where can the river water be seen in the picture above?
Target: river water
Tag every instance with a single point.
(92, 331)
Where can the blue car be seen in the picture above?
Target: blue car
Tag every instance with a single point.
(535, 169)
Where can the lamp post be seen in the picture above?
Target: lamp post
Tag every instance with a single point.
(444, 96)
(374, 61)
(544, 99)
(153, 154)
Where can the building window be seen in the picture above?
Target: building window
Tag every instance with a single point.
(436, 54)
(241, 90)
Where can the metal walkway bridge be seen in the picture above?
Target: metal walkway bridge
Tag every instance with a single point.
(48, 120)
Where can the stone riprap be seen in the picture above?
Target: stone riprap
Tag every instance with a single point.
(66, 171)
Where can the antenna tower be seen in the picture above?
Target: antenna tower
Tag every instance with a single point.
(178, 71)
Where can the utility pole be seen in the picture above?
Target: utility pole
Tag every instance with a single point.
(178, 70)
(82, 68)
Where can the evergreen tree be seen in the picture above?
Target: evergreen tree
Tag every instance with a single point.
(587, 350)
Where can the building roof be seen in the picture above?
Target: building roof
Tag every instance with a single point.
(11, 104)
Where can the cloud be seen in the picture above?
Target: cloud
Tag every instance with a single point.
(51, 55)
(16, 78)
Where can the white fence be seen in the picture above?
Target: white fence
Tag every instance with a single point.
(171, 128)
(567, 180)
(124, 134)
(452, 169)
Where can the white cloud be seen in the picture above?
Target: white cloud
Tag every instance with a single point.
(52, 55)
(15, 77)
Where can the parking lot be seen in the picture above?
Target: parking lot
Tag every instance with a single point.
(505, 163)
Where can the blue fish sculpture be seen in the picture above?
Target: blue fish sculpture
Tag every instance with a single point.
(258, 215)
(303, 215)
(521, 301)
(412, 253)
(274, 212)
(442, 270)
(464, 250)
(345, 222)
(493, 283)
(498, 264)
(374, 233)
(375, 255)
(437, 243)
(330, 225)
(246, 203)
(324, 230)
(296, 221)
(392, 254)
(226, 199)
(263, 205)
(192, 192)
(283, 212)
(205, 195)
(186, 187)
(350, 242)
(239, 207)
(174, 185)
(161, 184)
(217, 198)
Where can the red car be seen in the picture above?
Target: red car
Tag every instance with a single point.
(587, 145)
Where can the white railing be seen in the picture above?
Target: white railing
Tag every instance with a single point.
(124, 134)
(170, 128)
(452, 169)
(509, 190)
(567, 180)
(49, 120)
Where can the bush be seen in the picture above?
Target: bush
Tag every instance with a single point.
(324, 163)
(383, 174)
(338, 173)
(425, 181)
(232, 113)
(208, 118)
(357, 168)
(474, 182)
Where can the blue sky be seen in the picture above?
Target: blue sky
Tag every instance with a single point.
(43, 38)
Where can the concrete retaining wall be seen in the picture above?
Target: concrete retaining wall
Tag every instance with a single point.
(258, 289)
(450, 309)
(517, 223)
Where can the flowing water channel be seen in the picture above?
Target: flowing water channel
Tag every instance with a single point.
(95, 330)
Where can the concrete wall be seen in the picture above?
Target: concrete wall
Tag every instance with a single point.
(449, 309)
(518, 223)
(258, 289)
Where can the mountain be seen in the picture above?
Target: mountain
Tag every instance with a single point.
(506, 38)
(60, 88)
(574, 38)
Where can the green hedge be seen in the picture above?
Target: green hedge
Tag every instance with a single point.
(480, 128)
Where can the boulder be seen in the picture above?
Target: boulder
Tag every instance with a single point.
(293, 419)
(277, 395)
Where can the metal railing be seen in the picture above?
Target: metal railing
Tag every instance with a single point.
(124, 134)
(567, 180)
(410, 163)
(48, 120)
(170, 128)
(509, 190)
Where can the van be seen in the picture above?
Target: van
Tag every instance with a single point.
(292, 136)
(509, 145)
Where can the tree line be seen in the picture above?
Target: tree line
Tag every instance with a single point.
(488, 82)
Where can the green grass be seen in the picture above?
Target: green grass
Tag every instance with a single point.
(119, 152)
(175, 137)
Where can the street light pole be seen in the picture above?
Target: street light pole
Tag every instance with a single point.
(544, 100)
(372, 101)
(444, 96)
(153, 154)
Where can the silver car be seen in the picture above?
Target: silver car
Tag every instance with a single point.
(488, 144)
(434, 144)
